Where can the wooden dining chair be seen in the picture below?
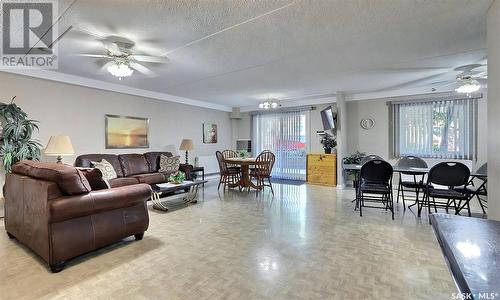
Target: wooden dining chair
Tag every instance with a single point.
(227, 175)
(231, 154)
(264, 164)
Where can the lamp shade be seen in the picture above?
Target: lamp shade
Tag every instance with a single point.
(59, 145)
(187, 145)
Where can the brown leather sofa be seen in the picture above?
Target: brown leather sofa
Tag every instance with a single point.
(52, 209)
(133, 168)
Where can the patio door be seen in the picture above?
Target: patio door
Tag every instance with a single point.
(285, 134)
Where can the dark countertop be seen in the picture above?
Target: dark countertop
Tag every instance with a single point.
(470, 247)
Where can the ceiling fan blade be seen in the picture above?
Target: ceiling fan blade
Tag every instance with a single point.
(153, 59)
(409, 69)
(93, 55)
(480, 75)
(142, 69)
(467, 68)
(87, 32)
(410, 83)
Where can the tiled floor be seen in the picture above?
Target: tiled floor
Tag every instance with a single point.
(305, 243)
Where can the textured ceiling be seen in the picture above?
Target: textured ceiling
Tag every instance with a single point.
(236, 52)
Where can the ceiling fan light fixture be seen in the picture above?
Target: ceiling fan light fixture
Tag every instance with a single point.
(120, 70)
(470, 86)
(269, 104)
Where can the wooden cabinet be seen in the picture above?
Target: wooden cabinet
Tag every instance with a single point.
(322, 169)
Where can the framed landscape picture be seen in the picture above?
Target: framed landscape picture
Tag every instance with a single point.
(124, 132)
(209, 133)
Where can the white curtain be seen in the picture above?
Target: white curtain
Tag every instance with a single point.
(285, 135)
(438, 129)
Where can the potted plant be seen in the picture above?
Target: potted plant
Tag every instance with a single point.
(177, 178)
(16, 143)
(242, 154)
(354, 159)
(329, 143)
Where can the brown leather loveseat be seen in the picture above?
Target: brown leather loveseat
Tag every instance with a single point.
(52, 209)
(133, 168)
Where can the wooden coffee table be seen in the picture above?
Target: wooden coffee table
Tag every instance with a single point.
(164, 188)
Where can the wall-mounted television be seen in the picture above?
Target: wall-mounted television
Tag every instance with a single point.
(329, 118)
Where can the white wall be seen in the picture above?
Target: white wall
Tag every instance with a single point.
(493, 32)
(79, 112)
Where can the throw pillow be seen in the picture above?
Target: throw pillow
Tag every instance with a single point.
(107, 170)
(169, 164)
(94, 177)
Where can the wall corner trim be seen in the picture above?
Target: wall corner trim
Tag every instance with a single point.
(113, 87)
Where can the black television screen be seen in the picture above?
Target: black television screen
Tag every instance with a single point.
(329, 118)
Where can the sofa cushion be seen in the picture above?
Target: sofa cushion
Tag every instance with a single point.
(169, 164)
(70, 180)
(70, 207)
(153, 159)
(122, 181)
(94, 177)
(85, 161)
(150, 178)
(133, 164)
(107, 169)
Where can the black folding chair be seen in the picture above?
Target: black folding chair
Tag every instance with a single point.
(477, 191)
(375, 185)
(370, 157)
(450, 175)
(411, 181)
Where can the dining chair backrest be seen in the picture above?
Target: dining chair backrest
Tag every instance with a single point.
(220, 160)
(265, 162)
(483, 169)
(229, 154)
(450, 174)
(369, 158)
(411, 162)
(376, 170)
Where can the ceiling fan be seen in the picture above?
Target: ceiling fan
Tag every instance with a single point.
(470, 80)
(120, 58)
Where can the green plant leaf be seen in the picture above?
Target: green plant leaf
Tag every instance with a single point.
(16, 138)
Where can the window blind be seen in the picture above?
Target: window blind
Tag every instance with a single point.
(444, 129)
(285, 135)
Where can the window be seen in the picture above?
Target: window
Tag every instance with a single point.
(436, 129)
(285, 135)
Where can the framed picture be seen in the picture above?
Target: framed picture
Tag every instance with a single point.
(209, 133)
(124, 132)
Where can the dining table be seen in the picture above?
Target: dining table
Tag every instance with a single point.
(407, 171)
(244, 164)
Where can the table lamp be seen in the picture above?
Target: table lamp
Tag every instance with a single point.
(59, 145)
(186, 145)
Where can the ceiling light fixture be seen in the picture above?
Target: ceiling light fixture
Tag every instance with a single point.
(269, 104)
(120, 69)
(469, 86)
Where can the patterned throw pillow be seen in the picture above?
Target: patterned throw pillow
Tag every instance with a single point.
(94, 177)
(107, 170)
(169, 164)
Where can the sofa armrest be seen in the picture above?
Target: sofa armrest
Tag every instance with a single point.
(187, 169)
(70, 207)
